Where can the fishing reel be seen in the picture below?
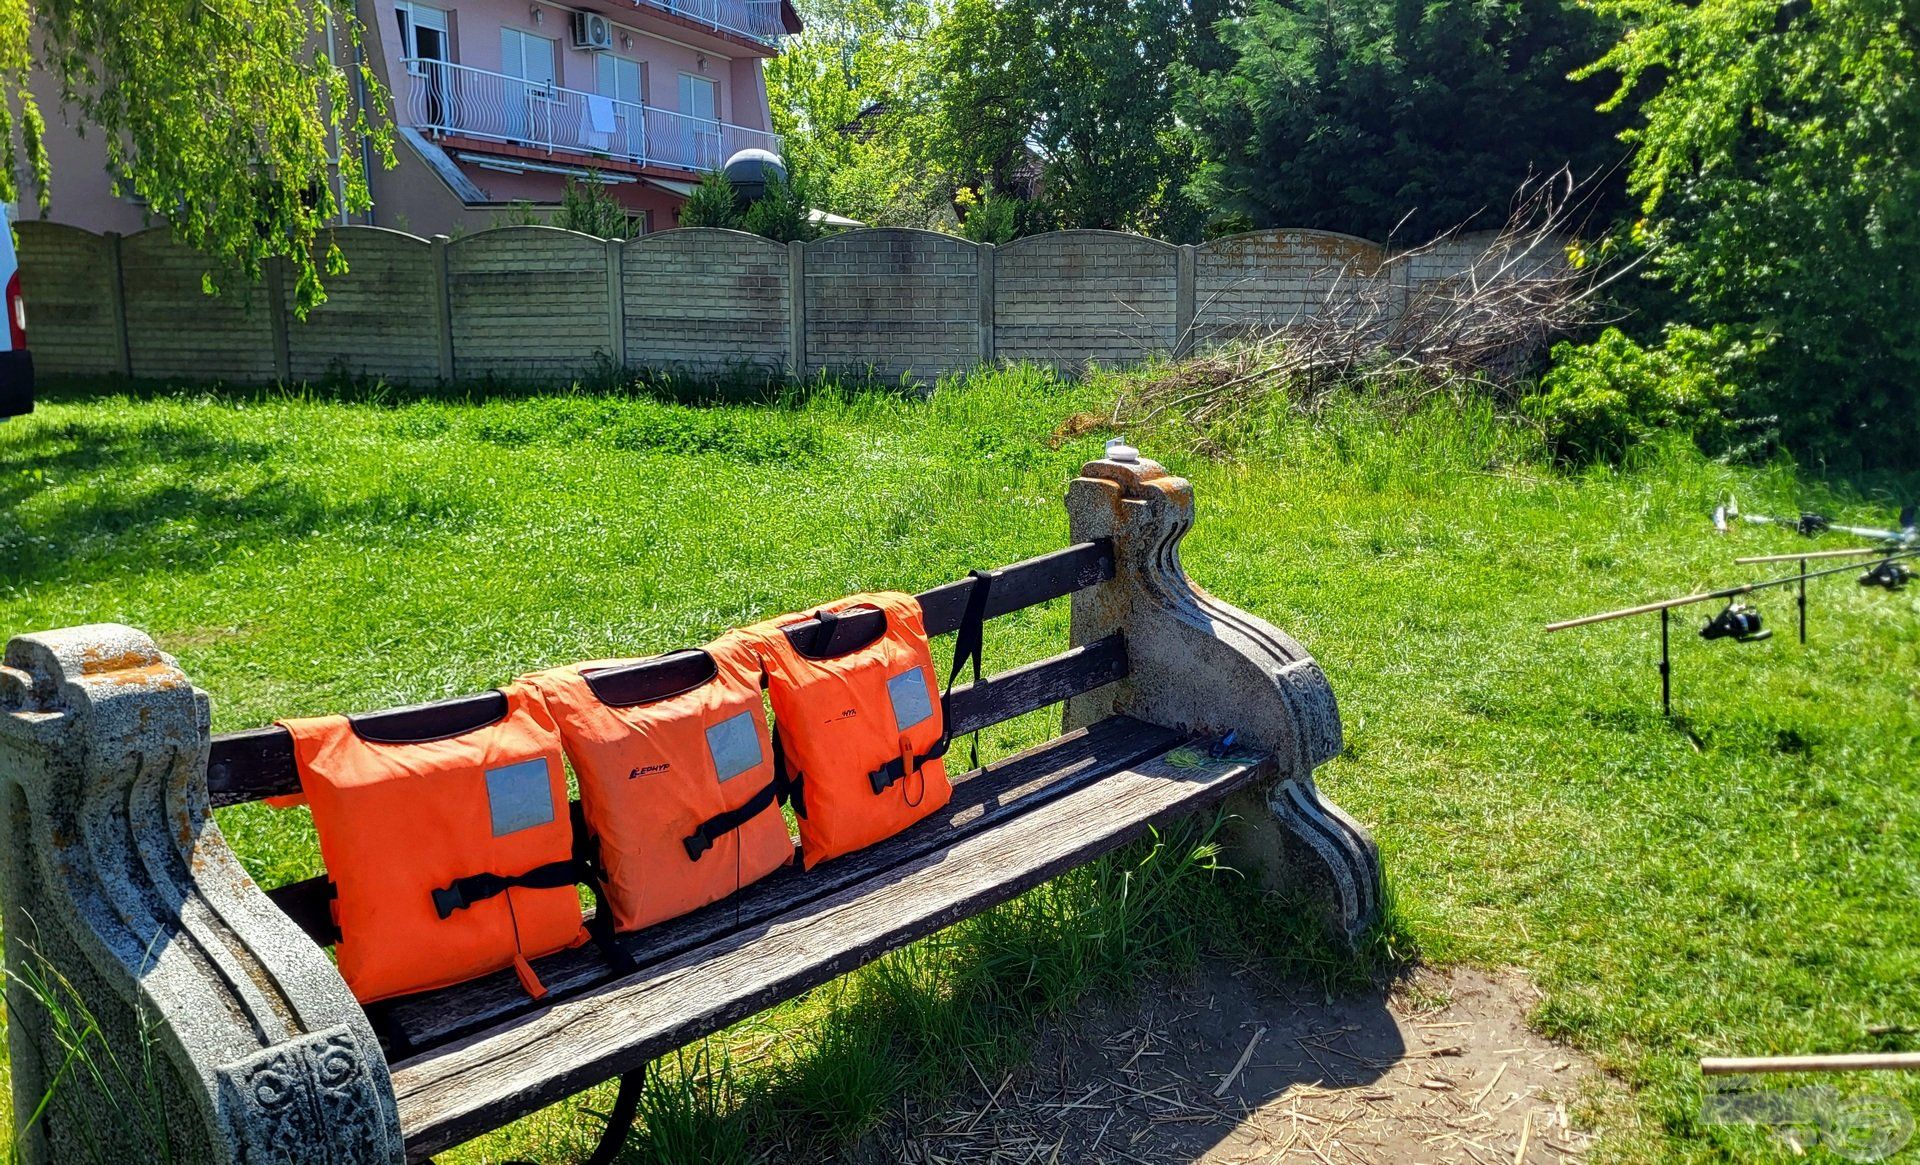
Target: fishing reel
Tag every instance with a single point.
(1889, 574)
(1811, 524)
(1739, 623)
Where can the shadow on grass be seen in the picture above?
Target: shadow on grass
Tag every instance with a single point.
(164, 495)
(741, 384)
(963, 1008)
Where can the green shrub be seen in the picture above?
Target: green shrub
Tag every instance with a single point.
(711, 204)
(1602, 398)
(589, 208)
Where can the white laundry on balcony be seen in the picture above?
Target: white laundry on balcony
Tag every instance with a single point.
(601, 123)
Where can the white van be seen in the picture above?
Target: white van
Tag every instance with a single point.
(16, 365)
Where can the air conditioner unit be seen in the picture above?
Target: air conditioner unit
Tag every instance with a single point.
(592, 31)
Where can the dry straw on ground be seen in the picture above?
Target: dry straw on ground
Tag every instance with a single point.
(1378, 325)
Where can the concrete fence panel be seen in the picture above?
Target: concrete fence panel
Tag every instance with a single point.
(901, 303)
(707, 301)
(1520, 258)
(176, 330)
(1071, 298)
(1270, 279)
(541, 305)
(528, 303)
(70, 279)
(379, 317)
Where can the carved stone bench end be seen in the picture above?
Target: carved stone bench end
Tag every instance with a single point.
(1206, 666)
(132, 932)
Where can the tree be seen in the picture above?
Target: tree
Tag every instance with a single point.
(1365, 116)
(850, 97)
(712, 204)
(587, 206)
(227, 115)
(1779, 165)
(1082, 90)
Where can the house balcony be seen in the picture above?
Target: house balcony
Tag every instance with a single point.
(756, 20)
(445, 99)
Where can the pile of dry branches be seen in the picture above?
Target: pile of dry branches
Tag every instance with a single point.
(1396, 322)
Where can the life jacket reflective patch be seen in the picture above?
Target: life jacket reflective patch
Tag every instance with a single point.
(450, 858)
(676, 785)
(853, 726)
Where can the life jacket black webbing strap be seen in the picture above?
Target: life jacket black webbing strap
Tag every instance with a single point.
(586, 855)
(474, 888)
(701, 839)
(787, 784)
(969, 640)
(582, 867)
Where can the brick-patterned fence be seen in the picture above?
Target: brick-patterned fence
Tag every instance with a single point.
(536, 304)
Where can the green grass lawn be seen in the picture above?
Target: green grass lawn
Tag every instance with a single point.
(1742, 882)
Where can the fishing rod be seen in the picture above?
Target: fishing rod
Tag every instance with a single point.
(1738, 622)
(1810, 524)
(1807, 555)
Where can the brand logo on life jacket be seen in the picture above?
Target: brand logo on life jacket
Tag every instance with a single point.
(647, 771)
(849, 714)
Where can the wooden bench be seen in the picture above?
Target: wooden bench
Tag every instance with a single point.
(119, 885)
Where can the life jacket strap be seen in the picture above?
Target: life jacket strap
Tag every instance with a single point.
(969, 641)
(787, 784)
(475, 888)
(709, 831)
(586, 855)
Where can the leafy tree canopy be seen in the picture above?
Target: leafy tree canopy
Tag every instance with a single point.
(1779, 162)
(224, 115)
(850, 97)
(1402, 117)
(1083, 91)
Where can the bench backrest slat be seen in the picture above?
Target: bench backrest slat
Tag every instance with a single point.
(247, 766)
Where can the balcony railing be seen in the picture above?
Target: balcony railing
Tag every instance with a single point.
(494, 107)
(758, 19)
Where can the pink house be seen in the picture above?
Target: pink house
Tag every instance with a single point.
(500, 101)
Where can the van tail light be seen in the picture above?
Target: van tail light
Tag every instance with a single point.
(16, 314)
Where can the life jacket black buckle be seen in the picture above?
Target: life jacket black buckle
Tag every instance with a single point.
(448, 899)
(697, 843)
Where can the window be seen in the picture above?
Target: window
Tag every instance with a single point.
(423, 35)
(699, 97)
(427, 47)
(527, 101)
(622, 79)
(527, 57)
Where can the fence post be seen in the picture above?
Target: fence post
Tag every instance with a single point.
(443, 306)
(117, 285)
(616, 304)
(797, 310)
(1185, 266)
(987, 351)
(275, 275)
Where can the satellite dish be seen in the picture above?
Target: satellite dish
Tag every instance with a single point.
(748, 171)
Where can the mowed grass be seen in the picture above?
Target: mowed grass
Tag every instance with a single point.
(1742, 881)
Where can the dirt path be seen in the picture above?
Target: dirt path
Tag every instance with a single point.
(1224, 1069)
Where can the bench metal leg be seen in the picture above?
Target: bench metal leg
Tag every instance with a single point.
(1205, 666)
(219, 1031)
(626, 1103)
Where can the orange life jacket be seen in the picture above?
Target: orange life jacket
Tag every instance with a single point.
(862, 732)
(450, 858)
(677, 785)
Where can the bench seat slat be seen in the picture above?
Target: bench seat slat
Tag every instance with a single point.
(247, 766)
(980, 801)
(495, 1076)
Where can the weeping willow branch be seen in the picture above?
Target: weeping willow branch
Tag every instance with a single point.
(244, 123)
